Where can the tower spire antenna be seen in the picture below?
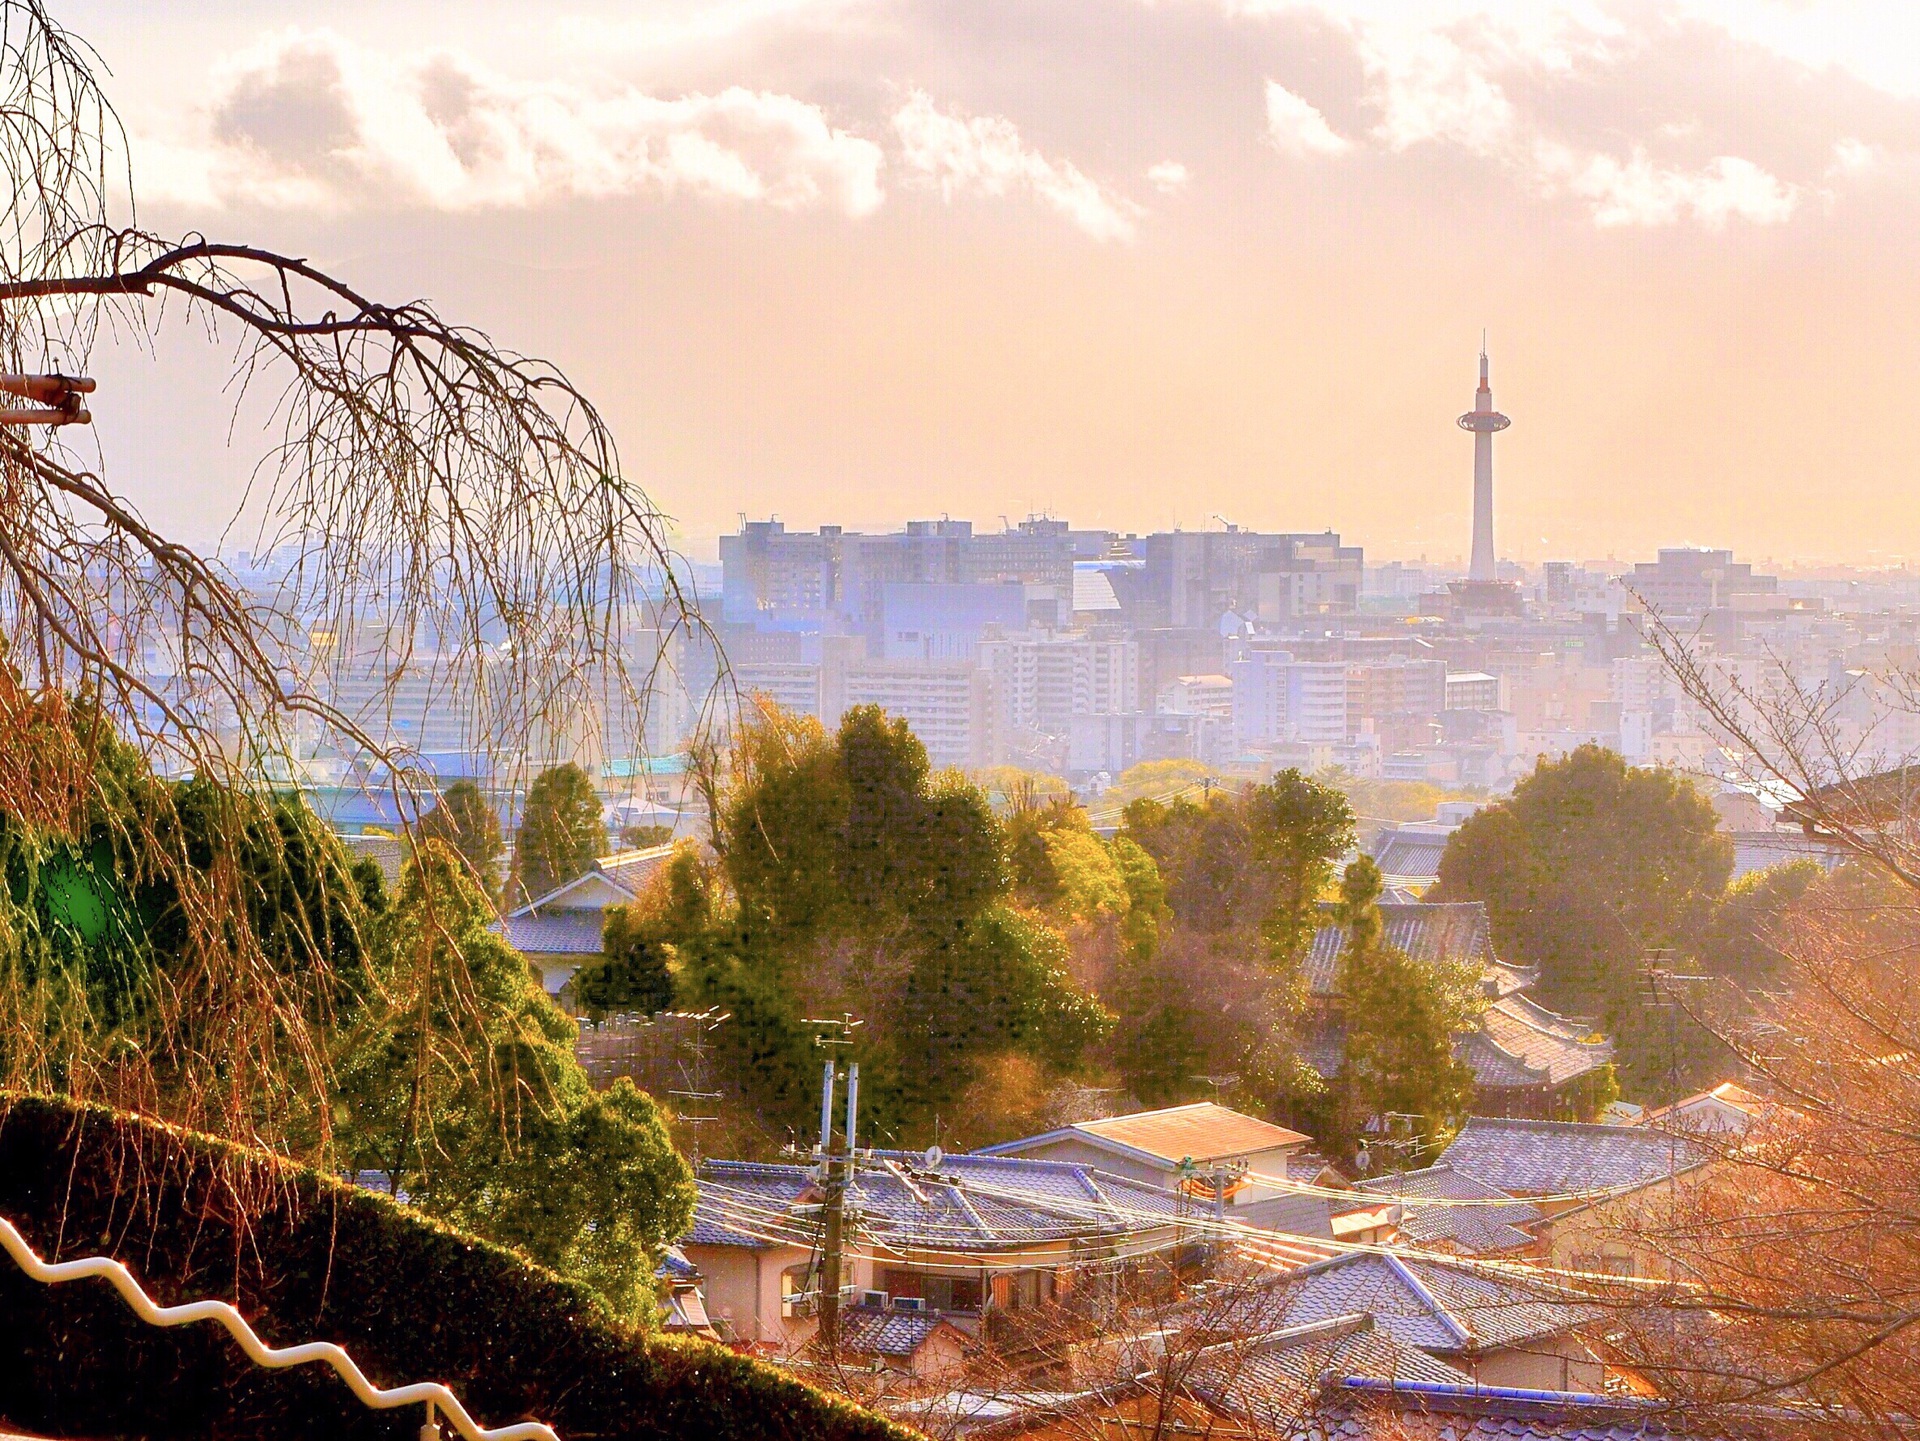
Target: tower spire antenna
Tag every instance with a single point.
(1484, 421)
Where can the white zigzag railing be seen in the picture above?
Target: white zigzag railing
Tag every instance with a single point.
(435, 1396)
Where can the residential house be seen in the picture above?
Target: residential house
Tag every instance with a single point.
(560, 932)
(1729, 1109)
(1526, 1059)
(1499, 1329)
(1208, 1151)
(953, 1240)
(1597, 1187)
(1486, 1221)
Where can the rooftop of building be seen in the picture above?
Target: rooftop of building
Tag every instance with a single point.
(1553, 1158)
(1474, 1230)
(1201, 1132)
(967, 1204)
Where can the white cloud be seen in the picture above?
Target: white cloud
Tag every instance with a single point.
(308, 120)
(1169, 177)
(1853, 156)
(1639, 192)
(1297, 128)
(984, 155)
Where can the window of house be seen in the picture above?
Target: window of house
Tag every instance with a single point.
(795, 1282)
(942, 1293)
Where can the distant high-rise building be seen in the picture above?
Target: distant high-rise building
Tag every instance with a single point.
(1484, 421)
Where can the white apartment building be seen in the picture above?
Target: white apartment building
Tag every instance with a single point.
(1043, 682)
(791, 685)
(1279, 699)
(949, 704)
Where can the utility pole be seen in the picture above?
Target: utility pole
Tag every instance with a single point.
(54, 400)
(836, 1167)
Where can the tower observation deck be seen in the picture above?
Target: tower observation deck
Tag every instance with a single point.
(1484, 421)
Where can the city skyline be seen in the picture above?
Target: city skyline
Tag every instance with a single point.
(1136, 264)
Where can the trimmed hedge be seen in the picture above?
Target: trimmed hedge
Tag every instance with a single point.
(306, 1258)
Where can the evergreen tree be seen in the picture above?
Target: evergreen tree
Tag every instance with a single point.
(462, 1086)
(1589, 864)
(465, 822)
(561, 832)
(1401, 1017)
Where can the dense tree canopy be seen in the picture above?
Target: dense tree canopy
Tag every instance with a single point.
(1400, 1017)
(466, 823)
(561, 832)
(848, 876)
(1588, 865)
(461, 1084)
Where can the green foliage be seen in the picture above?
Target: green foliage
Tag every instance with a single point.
(462, 1086)
(307, 1258)
(465, 822)
(1738, 941)
(861, 881)
(1587, 865)
(644, 838)
(1401, 1017)
(635, 968)
(561, 833)
(1259, 859)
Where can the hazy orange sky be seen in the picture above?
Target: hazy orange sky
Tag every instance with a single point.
(1129, 263)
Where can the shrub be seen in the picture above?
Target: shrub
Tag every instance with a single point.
(306, 1257)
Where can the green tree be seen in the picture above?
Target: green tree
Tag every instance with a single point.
(561, 832)
(1401, 1016)
(462, 1086)
(1257, 860)
(1739, 943)
(851, 877)
(634, 971)
(1585, 867)
(466, 823)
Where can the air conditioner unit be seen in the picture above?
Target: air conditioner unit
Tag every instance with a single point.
(874, 1298)
(909, 1303)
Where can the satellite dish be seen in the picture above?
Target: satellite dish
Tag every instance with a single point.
(934, 1157)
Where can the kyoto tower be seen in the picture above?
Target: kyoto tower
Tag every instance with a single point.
(1483, 420)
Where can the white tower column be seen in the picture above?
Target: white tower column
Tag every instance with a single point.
(1483, 420)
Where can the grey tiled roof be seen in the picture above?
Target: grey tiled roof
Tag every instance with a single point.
(1474, 1230)
(558, 933)
(1456, 930)
(1272, 1380)
(1545, 1043)
(1545, 1158)
(1428, 1305)
(972, 1203)
(1517, 1045)
(1409, 853)
(872, 1331)
(1493, 1414)
(1293, 1214)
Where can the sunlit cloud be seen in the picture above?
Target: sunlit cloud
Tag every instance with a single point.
(308, 120)
(985, 155)
(1639, 192)
(1297, 127)
(1169, 177)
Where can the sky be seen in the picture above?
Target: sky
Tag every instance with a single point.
(1136, 263)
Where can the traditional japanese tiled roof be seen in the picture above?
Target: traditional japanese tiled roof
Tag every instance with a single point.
(970, 1204)
(1454, 930)
(1473, 1230)
(1517, 1045)
(563, 933)
(1270, 1380)
(1426, 1304)
(1406, 855)
(1547, 1158)
(1362, 1409)
(876, 1331)
(1548, 1045)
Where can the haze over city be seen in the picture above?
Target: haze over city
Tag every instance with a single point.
(1134, 264)
(959, 720)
